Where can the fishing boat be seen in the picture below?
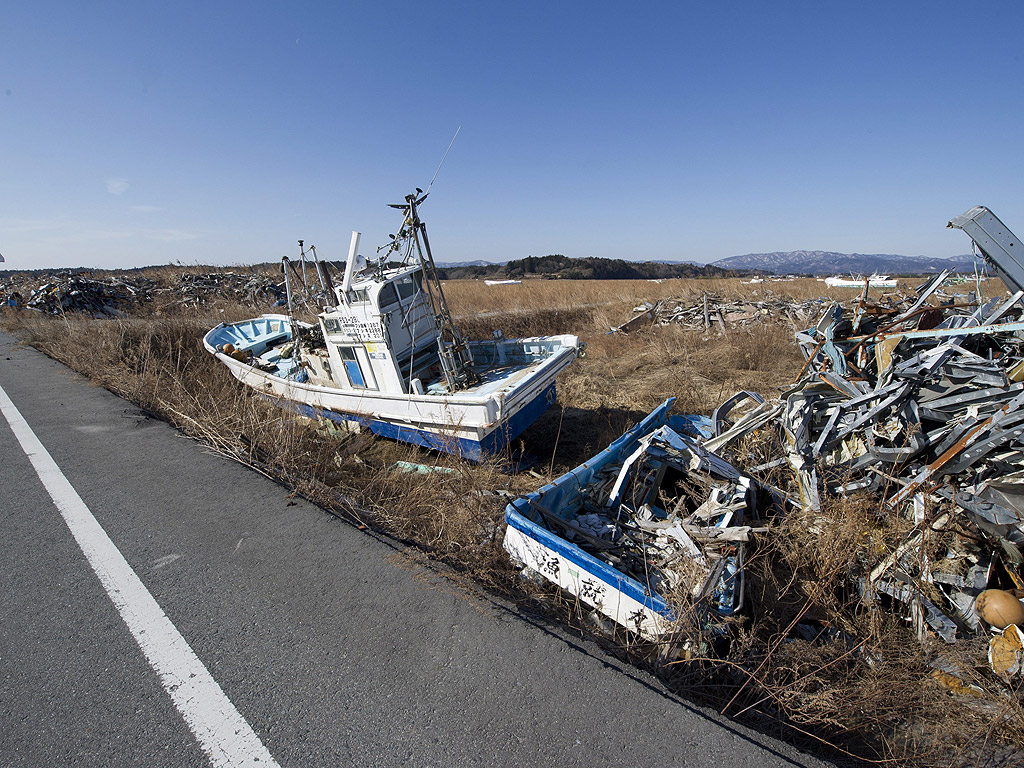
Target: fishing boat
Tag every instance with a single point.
(384, 354)
(653, 524)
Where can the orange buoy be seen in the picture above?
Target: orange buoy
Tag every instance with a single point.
(999, 608)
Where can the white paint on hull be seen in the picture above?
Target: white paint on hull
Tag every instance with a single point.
(464, 415)
(585, 585)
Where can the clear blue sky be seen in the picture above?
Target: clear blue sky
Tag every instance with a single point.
(142, 133)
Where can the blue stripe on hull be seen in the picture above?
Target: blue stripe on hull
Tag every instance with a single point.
(497, 440)
(492, 443)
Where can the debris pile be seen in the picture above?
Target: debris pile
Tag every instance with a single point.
(921, 406)
(713, 312)
(13, 289)
(914, 406)
(55, 293)
(101, 298)
(194, 289)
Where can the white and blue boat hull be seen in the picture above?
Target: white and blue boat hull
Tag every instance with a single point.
(595, 583)
(471, 423)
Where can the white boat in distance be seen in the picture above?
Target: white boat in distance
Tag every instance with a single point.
(386, 355)
(875, 281)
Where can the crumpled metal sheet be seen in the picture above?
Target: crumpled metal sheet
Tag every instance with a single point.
(919, 403)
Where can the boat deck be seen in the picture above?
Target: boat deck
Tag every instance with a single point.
(254, 335)
(493, 379)
(501, 364)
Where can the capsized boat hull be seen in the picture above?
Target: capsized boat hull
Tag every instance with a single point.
(470, 423)
(606, 589)
(600, 533)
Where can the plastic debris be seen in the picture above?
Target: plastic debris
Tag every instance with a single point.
(1006, 651)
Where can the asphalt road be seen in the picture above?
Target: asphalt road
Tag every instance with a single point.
(329, 643)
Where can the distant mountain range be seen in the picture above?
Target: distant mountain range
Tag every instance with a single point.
(778, 262)
(832, 263)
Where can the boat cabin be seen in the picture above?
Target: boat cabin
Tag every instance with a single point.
(382, 335)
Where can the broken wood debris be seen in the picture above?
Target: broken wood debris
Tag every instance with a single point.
(252, 289)
(914, 403)
(111, 297)
(919, 406)
(713, 312)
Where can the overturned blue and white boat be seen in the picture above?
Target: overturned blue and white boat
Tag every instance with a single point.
(653, 526)
(385, 355)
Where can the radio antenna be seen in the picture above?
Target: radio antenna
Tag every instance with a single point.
(443, 158)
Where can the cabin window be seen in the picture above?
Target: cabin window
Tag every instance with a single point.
(359, 376)
(352, 368)
(331, 325)
(408, 285)
(359, 296)
(388, 296)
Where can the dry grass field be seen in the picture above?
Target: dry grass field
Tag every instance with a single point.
(872, 698)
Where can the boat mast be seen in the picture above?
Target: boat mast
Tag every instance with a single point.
(285, 264)
(316, 265)
(456, 359)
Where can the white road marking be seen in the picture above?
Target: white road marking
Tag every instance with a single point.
(224, 735)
